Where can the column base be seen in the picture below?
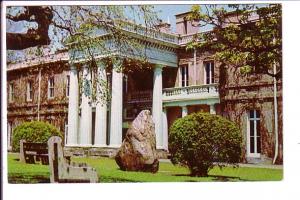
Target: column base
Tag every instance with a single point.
(114, 146)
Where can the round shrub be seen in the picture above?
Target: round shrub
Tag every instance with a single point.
(34, 131)
(201, 140)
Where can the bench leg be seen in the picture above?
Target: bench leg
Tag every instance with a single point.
(29, 159)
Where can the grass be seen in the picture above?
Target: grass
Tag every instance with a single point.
(109, 172)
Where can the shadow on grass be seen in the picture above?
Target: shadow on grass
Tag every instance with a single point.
(108, 179)
(23, 179)
(214, 177)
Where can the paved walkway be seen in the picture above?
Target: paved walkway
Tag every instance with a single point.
(269, 166)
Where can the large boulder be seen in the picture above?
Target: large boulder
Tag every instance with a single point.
(138, 150)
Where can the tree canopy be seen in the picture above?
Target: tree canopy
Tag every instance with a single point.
(80, 30)
(55, 26)
(248, 37)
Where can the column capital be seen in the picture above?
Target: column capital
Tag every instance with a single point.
(164, 109)
(100, 64)
(73, 67)
(117, 62)
(211, 104)
(158, 66)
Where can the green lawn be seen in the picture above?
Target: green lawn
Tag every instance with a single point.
(109, 172)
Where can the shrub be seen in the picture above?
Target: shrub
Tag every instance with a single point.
(34, 131)
(201, 140)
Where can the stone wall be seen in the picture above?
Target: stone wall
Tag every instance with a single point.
(52, 110)
(239, 94)
(196, 74)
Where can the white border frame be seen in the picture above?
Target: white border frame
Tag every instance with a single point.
(288, 188)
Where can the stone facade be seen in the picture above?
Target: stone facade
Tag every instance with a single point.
(24, 107)
(182, 83)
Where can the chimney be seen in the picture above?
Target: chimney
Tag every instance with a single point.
(164, 27)
(185, 26)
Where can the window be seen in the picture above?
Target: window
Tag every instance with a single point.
(68, 86)
(209, 72)
(9, 135)
(185, 31)
(66, 132)
(29, 91)
(51, 87)
(253, 134)
(11, 91)
(184, 75)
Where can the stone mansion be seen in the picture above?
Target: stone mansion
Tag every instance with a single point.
(175, 83)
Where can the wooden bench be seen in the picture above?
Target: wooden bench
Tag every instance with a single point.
(32, 152)
(62, 171)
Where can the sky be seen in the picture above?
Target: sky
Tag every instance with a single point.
(168, 12)
(165, 12)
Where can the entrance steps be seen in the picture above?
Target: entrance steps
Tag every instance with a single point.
(102, 152)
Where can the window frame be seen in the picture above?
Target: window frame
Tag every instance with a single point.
(66, 132)
(9, 134)
(210, 72)
(184, 75)
(11, 92)
(51, 88)
(255, 119)
(68, 85)
(29, 91)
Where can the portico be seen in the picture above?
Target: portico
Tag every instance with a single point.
(80, 120)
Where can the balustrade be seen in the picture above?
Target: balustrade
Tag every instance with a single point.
(141, 30)
(139, 96)
(211, 89)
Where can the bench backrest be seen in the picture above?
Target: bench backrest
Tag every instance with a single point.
(38, 147)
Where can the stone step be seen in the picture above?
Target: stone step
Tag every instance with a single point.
(102, 152)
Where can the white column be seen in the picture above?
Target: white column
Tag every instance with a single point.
(86, 109)
(184, 111)
(165, 129)
(116, 106)
(72, 137)
(101, 109)
(212, 109)
(157, 105)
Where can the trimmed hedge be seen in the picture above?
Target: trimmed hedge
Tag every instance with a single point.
(201, 140)
(34, 131)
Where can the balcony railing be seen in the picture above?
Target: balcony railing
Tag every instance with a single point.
(139, 97)
(148, 32)
(185, 38)
(191, 92)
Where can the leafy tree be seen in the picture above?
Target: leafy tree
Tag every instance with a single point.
(61, 22)
(201, 141)
(33, 131)
(248, 37)
(85, 30)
